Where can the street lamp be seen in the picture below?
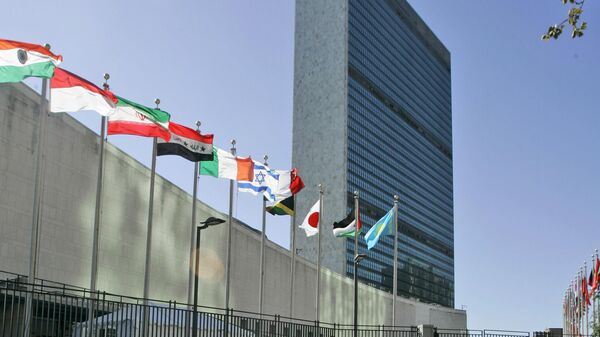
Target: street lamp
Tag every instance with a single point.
(211, 221)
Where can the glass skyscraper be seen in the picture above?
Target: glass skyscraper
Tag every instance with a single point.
(372, 113)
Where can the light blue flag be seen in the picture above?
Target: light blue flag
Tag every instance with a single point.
(382, 227)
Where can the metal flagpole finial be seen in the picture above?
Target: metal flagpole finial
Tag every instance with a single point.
(396, 197)
(233, 146)
(106, 78)
(157, 102)
(266, 158)
(320, 186)
(355, 194)
(198, 123)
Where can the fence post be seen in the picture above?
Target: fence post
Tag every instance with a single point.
(426, 330)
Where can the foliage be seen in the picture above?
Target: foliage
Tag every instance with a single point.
(595, 329)
(572, 20)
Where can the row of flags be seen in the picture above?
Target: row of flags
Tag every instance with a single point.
(72, 93)
(344, 228)
(582, 294)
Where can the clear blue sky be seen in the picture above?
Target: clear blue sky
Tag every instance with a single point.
(525, 117)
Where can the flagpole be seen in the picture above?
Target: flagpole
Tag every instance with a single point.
(149, 232)
(571, 312)
(96, 234)
(97, 213)
(591, 290)
(318, 292)
(395, 264)
(193, 227)
(581, 303)
(229, 230)
(262, 249)
(595, 300)
(573, 309)
(356, 221)
(37, 205)
(587, 296)
(293, 256)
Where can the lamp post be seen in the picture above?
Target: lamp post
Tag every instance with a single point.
(211, 221)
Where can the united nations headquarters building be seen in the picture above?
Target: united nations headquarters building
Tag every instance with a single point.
(373, 114)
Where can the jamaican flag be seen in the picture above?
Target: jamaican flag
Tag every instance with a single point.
(284, 207)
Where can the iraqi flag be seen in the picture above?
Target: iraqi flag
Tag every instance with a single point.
(71, 93)
(311, 222)
(19, 60)
(131, 118)
(186, 143)
(345, 227)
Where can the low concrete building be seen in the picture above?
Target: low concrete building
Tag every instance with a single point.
(67, 222)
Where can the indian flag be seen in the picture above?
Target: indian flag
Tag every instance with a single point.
(19, 60)
(225, 165)
(135, 119)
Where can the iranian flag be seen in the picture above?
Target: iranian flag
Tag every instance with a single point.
(225, 165)
(186, 143)
(135, 119)
(19, 60)
(71, 93)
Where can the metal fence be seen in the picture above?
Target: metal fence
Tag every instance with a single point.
(61, 311)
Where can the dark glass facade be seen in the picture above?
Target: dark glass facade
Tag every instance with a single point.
(400, 142)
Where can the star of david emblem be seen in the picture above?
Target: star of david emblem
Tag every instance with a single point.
(260, 177)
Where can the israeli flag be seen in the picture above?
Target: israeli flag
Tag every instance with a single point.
(266, 181)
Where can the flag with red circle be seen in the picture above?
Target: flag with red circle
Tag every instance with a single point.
(311, 222)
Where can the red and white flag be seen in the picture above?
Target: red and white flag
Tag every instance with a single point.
(71, 93)
(311, 222)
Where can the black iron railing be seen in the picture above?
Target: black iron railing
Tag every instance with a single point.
(52, 309)
(61, 311)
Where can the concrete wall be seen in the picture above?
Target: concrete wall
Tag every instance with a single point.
(320, 119)
(67, 222)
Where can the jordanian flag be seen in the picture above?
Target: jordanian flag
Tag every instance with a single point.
(186, 143)
(345, 227)
(131, 118)
(284, 207)
(225, 165)
(19, 60)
